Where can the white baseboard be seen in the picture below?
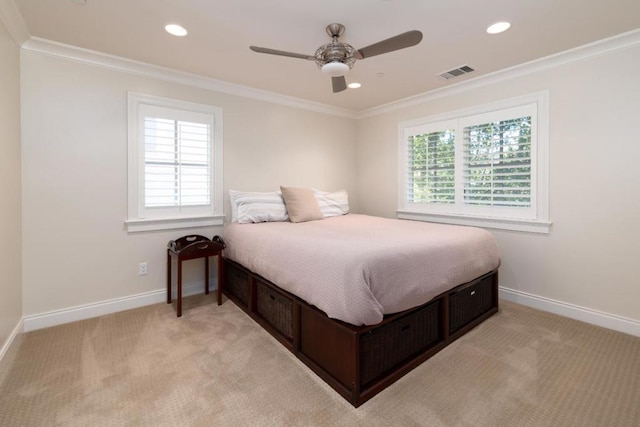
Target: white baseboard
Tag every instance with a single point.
(572, 311)
(87, 311)
(11, 339)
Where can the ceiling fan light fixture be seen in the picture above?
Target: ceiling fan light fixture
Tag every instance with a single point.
(335, 68)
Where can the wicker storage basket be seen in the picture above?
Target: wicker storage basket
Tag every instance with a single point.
(383, 349)
(469, 302)
(275, 308)
(237, 285)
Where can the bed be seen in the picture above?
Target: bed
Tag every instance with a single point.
(361, 300)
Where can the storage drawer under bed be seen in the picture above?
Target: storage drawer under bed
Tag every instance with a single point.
(275, 307)
(389, 346)
(470, 301)
(236, 284)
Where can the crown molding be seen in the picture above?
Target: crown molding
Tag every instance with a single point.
(117, 63)
(12, 18)
(580, 53)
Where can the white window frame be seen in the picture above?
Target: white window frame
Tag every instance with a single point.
(532, 219)
(144, 219)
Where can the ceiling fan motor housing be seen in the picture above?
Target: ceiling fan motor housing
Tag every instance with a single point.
(335, 52)
(329, 56)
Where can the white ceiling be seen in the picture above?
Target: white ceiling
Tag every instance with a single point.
(220, 33)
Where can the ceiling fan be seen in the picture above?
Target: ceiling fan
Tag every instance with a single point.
(337, 58)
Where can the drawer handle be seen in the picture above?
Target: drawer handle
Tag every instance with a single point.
(405, 328)
(272, 297)
(473, 293)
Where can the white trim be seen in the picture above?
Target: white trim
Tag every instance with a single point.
(112, 62)
(572, 311)
(530, 226)
(580, 53)
(141, 219)
(12, 18)
(88, 311)
(138, 225)
(533, 219)
(14, 334)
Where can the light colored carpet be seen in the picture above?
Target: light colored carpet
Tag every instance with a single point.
(215, 366)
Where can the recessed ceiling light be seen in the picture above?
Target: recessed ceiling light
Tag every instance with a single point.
(354, 85)
(498, 27)
(176, 30)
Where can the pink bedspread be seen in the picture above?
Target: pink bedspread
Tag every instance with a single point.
(356, 268)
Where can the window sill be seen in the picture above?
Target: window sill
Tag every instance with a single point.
(154, 224)
(530, 226)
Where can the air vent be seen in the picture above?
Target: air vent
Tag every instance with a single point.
(465, 69)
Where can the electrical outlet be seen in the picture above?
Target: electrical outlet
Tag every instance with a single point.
(142, 269)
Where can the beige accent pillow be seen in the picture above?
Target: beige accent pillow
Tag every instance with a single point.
(301, 204)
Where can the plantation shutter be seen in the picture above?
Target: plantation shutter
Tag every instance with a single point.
(485, 166)
(497, 159)
(431, 165)
(177, 162)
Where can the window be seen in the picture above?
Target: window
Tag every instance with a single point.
(485, 166)
(175, 164)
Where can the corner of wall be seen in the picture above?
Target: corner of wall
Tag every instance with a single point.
(12, 19)
(9, 347)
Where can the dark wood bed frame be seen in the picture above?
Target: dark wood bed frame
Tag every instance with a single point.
(361, 361)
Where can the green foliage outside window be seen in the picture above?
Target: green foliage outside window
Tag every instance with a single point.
(496, 159)
(432, 167)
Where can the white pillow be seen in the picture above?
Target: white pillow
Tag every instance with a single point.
(248, 207)
(332, 204)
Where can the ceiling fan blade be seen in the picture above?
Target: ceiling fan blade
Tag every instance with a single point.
(339, 84)
(408, 39)
(281, 53)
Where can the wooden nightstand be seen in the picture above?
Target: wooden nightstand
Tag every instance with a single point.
(192, 247)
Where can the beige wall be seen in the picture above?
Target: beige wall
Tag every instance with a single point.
(10, 207)
(590, 258)
(76, 250)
